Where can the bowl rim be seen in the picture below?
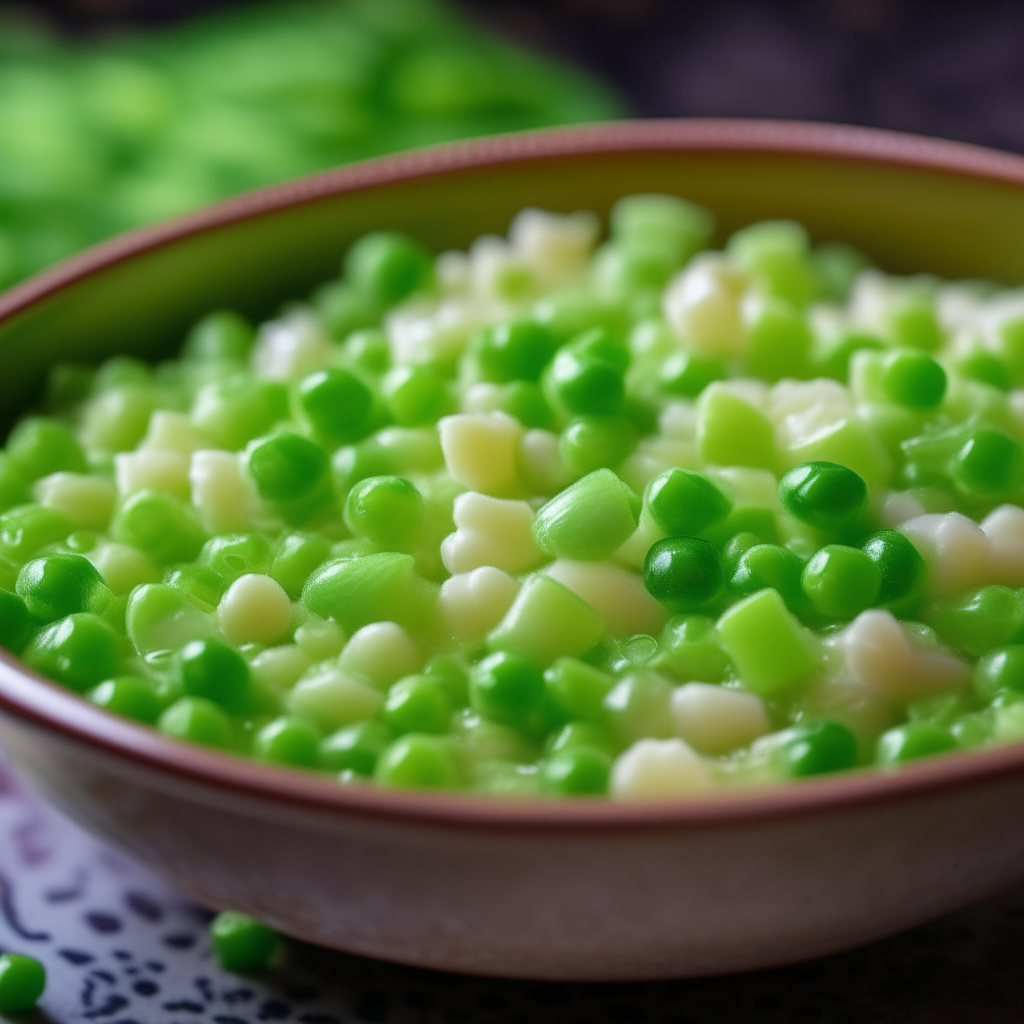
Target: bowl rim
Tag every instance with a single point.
(33, 699)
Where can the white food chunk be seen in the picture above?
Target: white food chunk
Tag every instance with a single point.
(123, 567)
(332, 698)
(715, 720)
(171, 432)
(382, 652)
(152, 469)
(883, 657)
(490, 531)
(702, 306)
(280, 667)
(958, 553)
(254, 609)
(618, 595)
(88, 501)
(480, 450)
(557, 246)
(660, 770)
(222, 492)
(1004, 528)
(290, 348)
(473, 603)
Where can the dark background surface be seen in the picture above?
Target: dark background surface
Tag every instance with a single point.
(954, 69)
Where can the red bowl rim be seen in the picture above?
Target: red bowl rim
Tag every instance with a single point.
(29, 697)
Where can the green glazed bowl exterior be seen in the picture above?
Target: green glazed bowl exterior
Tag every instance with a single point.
(573, 890)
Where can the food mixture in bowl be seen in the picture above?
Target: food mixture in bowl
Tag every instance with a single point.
(552, 517)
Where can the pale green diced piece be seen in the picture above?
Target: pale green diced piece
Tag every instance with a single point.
(1009, 723)
(546, 621)
(731, 432)
(639, 706)
(374, 588)
(851, 443)
(768, 646)
(161, 618)
(588, 520)
(331, 698)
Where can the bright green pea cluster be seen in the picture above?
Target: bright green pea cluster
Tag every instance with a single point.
(105, 135)
(553, 517)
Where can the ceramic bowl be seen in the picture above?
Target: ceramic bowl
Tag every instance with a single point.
(576, 890)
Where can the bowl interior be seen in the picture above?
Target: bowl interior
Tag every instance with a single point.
(912, 204)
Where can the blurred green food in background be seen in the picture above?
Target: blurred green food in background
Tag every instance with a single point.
(97, 137)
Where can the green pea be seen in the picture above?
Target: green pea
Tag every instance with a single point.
(576, 384)
(582, 734)
(683, 502)
(836, 266)
(689, 649)
(911, 741)
(686, 374)
(819, 747)
(683, 573)
(823, 494)
(451, 673)
(834, 359)
(514, 350)
(417, 761)
(841, 581)
(288, 740)
(241, 943)
(200, 583)
(14, 488)
(415, 395)
(777, 252)
(221, 335)
(736, 547)
(576, 690)
(296, 555)
(913, 379)
(286, 467)
(912, 322)
(589, 519)
(989, 464)
(122, 371)
(231, 555)
(368, 351)
(902, 568)
(38, 446)
(598, 344)
(596, 442)
(986, 367)
(525, 400)
(359, 461)
(1000, 669)
(79, 651)
(131, 696)
(344, 308)
(355, 748)
(769, 565)
(232, 411)
(161, 525)
(15, 624)
(57, 585)
(211, 669)
(576, 771)
(417, 704)
(197, 720)
(979, 620)
(387, 510)
(22, 981)
(389, 266)
(506, 688)
(336, 403)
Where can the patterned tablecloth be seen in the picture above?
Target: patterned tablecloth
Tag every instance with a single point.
(122, 947)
